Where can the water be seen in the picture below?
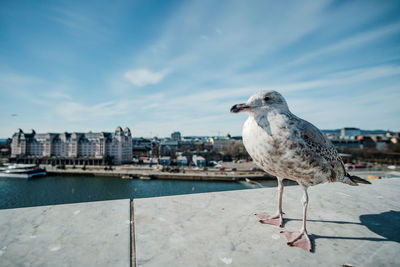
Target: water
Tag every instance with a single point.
(51, 190)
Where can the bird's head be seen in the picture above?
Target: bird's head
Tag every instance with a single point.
(262, 102)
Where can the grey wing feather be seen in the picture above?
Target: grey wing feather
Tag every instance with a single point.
(317, 141)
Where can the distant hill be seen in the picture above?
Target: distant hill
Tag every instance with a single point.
(374, 131)
(363, 132)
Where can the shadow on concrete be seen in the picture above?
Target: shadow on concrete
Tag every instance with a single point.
(385, 224)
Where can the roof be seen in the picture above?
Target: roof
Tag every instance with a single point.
(169, 143)
(195, 157)
(66, 135)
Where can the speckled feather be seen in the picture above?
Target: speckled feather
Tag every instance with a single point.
(288, 147)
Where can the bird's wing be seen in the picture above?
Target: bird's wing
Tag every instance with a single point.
(317, 141)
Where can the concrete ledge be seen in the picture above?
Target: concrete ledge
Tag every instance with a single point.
(348, 225)
(83, 234)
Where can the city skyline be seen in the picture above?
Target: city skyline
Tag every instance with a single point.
(159, 67)
(170, 135)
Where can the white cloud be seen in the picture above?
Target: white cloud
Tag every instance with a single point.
(142, 77)
(57, 95)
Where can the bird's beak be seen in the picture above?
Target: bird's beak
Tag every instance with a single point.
(240, 108)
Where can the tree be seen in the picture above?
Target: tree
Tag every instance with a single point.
(236, 150)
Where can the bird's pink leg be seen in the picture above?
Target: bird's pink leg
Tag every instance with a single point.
(278, 218)
(300, 239)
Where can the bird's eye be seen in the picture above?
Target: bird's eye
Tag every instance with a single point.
(267, 98)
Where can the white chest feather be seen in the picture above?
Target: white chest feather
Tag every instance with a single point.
(259, 140)
(263, 133)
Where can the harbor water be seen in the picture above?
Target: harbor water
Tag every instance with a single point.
(52, 190)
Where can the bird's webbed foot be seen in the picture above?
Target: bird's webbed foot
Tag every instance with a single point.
(271, 219)
(298, 239)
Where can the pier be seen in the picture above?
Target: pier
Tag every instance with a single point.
(186, 174)
(356, 226)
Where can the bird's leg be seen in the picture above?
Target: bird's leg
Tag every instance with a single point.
(278, 218)
(300, 239)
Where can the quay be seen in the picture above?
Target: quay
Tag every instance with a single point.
(354, 226)
(187, 174)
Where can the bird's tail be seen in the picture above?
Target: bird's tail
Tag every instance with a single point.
(357, 180)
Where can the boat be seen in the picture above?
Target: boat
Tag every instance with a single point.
(21, 171)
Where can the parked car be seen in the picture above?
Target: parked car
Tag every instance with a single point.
(349, 166)
(352, 166)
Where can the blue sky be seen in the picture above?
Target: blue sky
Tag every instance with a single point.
(162, 66)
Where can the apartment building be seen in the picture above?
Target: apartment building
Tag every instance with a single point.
(73, 148)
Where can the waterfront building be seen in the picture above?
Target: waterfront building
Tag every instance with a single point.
(367, 142)
(165, 161)
(168, 147)
(176, 136)
(4, 152)
(199, 161)
(382, 144)
(72, 148)
(343, 144)
(181, 161)
(349, 132)
(142, 147)
(220, 143)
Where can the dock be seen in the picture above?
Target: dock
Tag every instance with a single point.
(354, 226)
(200, 175)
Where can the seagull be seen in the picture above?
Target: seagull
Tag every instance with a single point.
(289, 147)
